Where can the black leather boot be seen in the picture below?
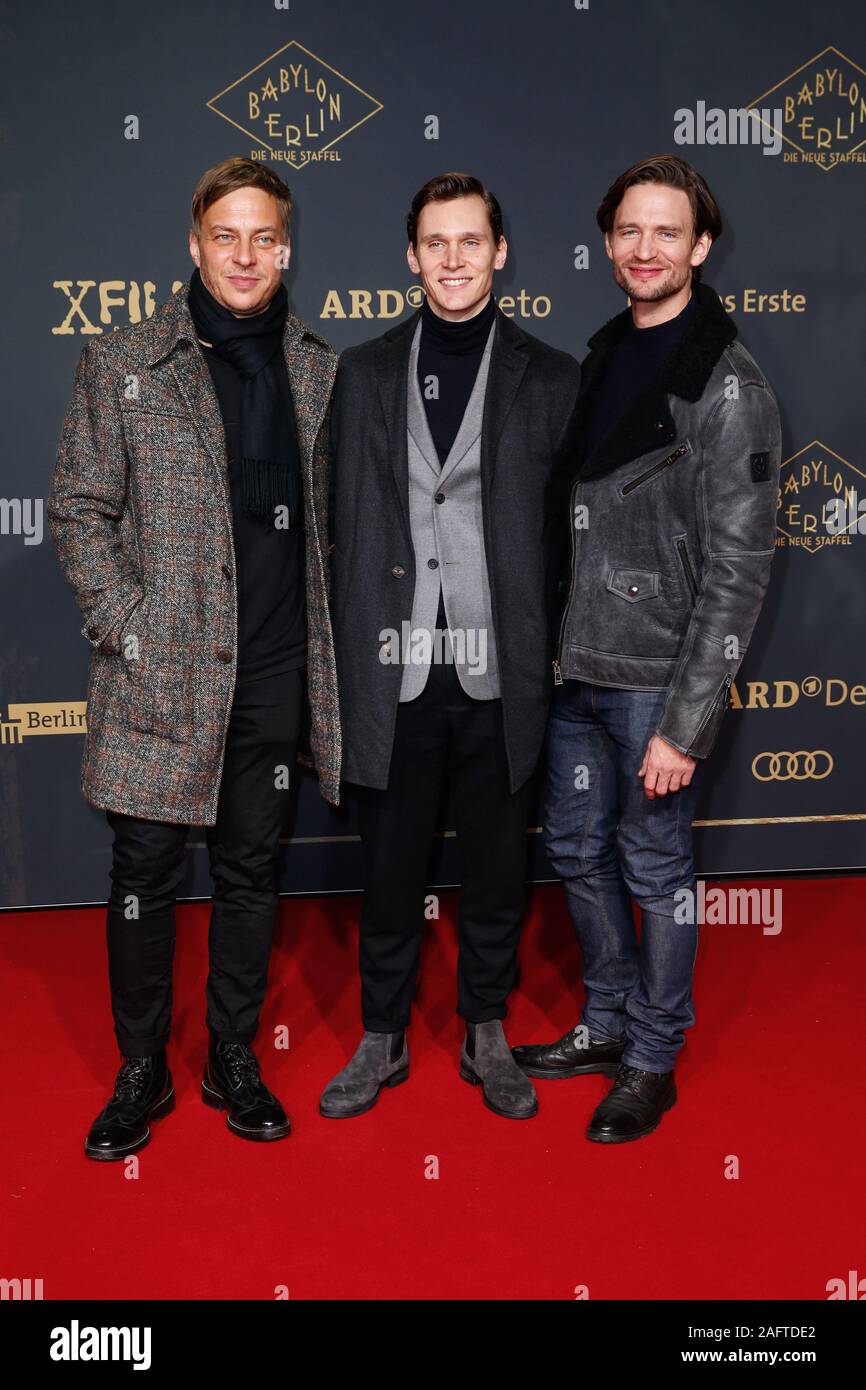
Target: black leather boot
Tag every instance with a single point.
(566, 1057)
(232, 1081)
(143, 1091)
(633, 1106)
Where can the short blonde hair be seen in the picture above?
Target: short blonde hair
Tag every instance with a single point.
(234, 173)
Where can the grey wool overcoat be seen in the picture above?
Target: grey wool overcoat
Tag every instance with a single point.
(140, 514)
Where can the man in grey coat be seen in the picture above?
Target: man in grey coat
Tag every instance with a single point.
(450, 436)
(672, 519)
(188, 509)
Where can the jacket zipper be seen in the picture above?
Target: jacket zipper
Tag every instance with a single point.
(722, 694)
(557, 669)
(687, 567)
(656, 468)
(728, 682)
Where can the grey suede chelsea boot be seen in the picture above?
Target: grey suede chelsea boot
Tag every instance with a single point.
(486, 1061)
(381, 1059)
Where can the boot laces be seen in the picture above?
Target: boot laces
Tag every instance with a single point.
(241, 1062)
(132, 1077)
(630, 1079)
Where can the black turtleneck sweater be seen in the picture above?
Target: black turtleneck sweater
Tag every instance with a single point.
(451, 352)
(633, 366)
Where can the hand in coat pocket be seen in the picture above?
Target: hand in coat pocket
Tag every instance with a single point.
(149, 681)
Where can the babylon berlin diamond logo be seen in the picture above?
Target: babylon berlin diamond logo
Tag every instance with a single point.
(823, 107)
(295, 106)
(818, 503)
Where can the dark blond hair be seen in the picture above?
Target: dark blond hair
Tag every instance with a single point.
(231, 174)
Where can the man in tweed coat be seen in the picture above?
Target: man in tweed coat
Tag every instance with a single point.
(188, 509)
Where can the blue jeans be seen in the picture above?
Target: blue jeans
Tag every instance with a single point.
(607, 841)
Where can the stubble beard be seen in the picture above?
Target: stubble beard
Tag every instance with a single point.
(668, 286)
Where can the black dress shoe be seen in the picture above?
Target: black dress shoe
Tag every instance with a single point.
(232, 1081)
(566, 1058)
(143, 1091)
(633, 1106)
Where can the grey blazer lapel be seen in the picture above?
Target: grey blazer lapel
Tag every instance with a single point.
(416, 414)
(473, 416)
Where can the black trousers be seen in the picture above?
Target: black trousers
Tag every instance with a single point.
(443, 731)
(148, 864)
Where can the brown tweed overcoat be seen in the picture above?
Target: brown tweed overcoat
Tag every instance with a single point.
(141, 519)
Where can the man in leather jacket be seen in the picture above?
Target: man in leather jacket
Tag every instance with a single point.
(672, 520)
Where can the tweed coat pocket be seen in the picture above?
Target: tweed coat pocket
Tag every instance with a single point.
(164, 449)
(148, 684)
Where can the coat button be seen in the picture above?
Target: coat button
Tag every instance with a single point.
(398, 571)
(223, 655)
(633, 589)
(660, 424)
(432, 564)
(93, 631)
(440, 498)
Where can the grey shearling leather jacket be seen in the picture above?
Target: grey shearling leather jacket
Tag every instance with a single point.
(671, 558)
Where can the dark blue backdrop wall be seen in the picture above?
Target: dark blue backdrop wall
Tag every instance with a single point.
(109, 115)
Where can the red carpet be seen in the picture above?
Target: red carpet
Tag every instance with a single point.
(772, 1073)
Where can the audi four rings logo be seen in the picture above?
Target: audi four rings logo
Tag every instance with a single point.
(793, 767)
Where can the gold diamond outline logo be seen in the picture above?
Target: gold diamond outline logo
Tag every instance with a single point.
(825, 448)
(293, 43)
(825, 168)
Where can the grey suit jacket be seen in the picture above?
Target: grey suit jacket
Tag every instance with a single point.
(446, 517)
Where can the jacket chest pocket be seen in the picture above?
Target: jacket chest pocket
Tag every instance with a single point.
(152, 686)
(656, 469)
(634, 585)
(161, 443)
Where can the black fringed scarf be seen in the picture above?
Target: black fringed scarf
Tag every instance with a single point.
(269, 458)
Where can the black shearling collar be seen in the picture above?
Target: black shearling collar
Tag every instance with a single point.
(648, 424)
